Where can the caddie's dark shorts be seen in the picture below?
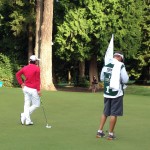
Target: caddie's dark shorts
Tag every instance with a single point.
(113, 106)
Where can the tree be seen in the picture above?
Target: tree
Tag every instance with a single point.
(31, 26)
(83, 30)
(73, 38)
(87, 29)
(140, 67)
(39, 20)
(46, 47)
(18, 26)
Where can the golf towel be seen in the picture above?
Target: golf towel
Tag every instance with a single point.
(115, 77)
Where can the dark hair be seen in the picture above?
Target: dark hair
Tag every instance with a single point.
(32, 62)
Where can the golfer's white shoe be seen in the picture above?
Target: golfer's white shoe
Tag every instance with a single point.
(29, 123)
(22, 119)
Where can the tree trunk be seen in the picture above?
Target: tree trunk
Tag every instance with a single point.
(82, 69)
(30, 41)
(39, 20)
(149, 73)
(93, 69)
(46, 47)
(69, 77)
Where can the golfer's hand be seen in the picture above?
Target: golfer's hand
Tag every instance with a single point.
(39, 93)
(22, 85)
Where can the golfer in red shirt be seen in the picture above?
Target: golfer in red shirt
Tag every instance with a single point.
(30, 87)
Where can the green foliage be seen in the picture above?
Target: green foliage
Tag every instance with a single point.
(141, 60)
(139, 66)
(87, 29)
(16, 15)
(6, 71)
(88, 25)
(127, 26)
(16, 23)
(81, 29)
(81, 82)
(72, 36)
(101, 85)
(21, 16)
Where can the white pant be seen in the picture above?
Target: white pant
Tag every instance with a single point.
(31, 102)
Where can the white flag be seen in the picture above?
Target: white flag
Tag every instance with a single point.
(110, 51)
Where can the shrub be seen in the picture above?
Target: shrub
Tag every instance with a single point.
(82, 82)
(6, 71)
(101, 85)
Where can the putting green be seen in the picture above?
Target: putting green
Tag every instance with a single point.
(74, 117)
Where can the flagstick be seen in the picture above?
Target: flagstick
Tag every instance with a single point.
(110, 51)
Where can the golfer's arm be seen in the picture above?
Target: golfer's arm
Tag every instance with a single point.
(18, 77)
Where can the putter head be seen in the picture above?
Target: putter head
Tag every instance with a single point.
(47, 126)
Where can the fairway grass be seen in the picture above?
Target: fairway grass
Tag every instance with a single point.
(74, 117)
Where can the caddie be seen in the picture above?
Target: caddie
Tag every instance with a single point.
(114, 76)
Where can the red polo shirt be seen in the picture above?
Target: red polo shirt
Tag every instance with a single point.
(31, 73)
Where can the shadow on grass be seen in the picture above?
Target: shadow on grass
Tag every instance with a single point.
(76, 89)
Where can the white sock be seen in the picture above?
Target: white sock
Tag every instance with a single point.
(111, 133)
(100, 131)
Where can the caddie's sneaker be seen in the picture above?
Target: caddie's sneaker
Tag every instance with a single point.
(111, 137)
(22, 118)
(100, 135)
(29, 123)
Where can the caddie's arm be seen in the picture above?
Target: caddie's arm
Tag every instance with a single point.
(102, 75)
(124, 75)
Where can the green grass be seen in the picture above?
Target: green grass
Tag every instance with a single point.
(138, 90)
(74, 117)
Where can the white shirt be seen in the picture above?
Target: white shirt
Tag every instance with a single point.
(123, 79)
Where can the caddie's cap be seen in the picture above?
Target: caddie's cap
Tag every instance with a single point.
(34, 58)
(119, 54)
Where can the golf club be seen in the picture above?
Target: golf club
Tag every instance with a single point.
(47, 126)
